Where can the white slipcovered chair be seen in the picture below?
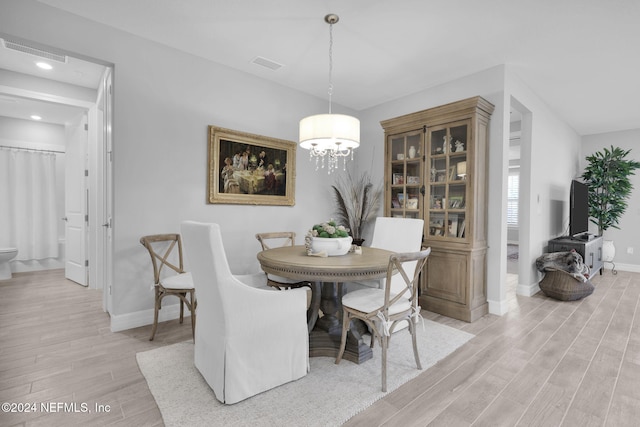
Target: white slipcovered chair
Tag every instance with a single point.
(248, 340)
(395, 235)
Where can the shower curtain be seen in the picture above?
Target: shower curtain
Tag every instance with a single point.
(28, 203)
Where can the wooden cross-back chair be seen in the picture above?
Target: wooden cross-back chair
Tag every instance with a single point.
(383, 309)
(179, 284)
(279, 239)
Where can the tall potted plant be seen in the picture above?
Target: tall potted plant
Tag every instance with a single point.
(356, 202)
(607, 177)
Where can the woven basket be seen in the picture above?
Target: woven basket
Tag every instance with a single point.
(561, 285)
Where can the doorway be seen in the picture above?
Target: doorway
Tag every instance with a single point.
(513, 193)
(71, 85)
(518, 206)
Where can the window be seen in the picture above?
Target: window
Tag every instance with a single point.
(513, 190)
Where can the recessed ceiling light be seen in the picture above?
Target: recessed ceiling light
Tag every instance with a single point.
(36, 117)
(44, 65)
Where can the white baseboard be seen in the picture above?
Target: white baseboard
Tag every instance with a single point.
(499, 308)
(527, 290)
(122, 322)
(632, 268)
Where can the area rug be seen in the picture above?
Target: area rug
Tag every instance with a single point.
(328, 395)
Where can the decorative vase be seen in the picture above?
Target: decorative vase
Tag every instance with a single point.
(358, 242)
(608, 251)
(332, 246)
(412, 152)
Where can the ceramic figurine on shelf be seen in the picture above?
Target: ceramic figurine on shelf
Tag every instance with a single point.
(459, 146)
(445, 143)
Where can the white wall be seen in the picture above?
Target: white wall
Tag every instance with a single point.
(164, 101)
(32, 134)
(628, 236)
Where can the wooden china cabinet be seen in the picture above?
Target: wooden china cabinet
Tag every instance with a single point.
(436, 169)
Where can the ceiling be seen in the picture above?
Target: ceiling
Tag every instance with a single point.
(20, 104)
(579, 56)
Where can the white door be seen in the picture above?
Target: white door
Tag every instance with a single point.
(76, 202)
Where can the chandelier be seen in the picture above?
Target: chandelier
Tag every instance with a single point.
(330, 136)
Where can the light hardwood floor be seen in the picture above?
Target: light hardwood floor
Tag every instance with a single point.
(545, 363)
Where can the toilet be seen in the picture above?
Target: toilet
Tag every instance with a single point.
(6, 255)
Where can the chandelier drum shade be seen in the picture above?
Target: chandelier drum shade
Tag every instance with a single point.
(330, 132)
(331, 136)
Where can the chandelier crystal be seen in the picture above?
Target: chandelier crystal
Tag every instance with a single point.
(330, 136)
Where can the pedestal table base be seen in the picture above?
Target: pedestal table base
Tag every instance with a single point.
(324, 338)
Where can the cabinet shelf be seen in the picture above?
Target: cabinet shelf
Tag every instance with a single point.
(458, 154)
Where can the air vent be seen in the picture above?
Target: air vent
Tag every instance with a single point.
(267, 63)
(31, 50)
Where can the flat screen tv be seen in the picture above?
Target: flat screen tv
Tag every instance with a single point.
(578, 209)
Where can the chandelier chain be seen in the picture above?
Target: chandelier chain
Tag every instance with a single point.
(330, 137)
(330, 64)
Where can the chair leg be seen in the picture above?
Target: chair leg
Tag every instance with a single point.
(343, 337)
(193, 316)
(155, 314)
(182, 307)
(385, 344)
(412, 329)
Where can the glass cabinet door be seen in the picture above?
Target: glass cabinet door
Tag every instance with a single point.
(448, 183)
(406, 192)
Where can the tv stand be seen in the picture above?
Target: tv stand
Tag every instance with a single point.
(590, 248)
(582, 237)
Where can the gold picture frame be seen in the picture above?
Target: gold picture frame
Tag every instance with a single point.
(249, 169)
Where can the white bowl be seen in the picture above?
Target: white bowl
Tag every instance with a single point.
(332, 246)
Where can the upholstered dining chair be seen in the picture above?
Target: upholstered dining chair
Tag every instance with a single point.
(395, 235)
(383, 309)
(178, 283)
(248, 340)
(279, 239)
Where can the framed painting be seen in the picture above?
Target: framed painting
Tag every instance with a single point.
(250, 169)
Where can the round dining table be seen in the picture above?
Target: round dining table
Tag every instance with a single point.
(326, 276)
